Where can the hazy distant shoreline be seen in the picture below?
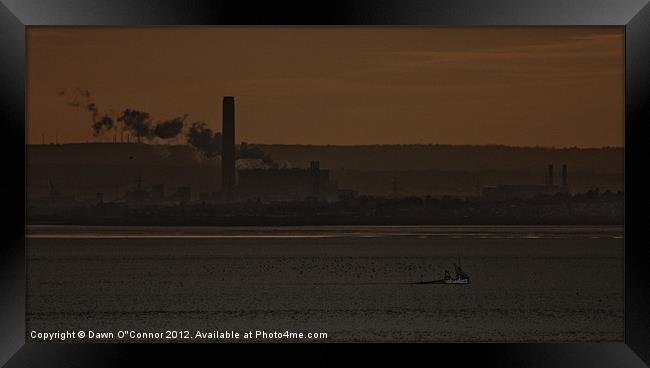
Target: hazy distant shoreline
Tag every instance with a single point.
(353, 145)
(434, 157)
(421, 170)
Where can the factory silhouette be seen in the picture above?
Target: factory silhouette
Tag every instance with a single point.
(270, 184)
(266, 193)
(530, 191)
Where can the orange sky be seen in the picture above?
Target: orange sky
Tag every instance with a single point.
(524, 86)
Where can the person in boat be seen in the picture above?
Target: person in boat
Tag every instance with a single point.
(460, 274)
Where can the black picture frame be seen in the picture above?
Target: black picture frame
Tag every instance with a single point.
(634, 15)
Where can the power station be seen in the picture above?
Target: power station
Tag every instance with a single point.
(267, 184)
(529, 191)
(247, 174)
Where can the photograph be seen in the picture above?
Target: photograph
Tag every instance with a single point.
(248, 183)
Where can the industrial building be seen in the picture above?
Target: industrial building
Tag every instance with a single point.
(286, 184)
(269, 184)
(155, 194)
(504, 192)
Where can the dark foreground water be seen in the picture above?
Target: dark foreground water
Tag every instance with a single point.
(354, 283)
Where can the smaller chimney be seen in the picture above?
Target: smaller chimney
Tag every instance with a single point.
(564, 176)
(549, 177)
(315, 165)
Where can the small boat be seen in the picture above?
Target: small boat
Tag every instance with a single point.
(462, 277)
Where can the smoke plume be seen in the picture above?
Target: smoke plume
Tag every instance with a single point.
(169, 128)
(204, 140)
(207, 142)
(249, 151)
(102, 125)
(81, 98)
(92, 107)
(137, 122)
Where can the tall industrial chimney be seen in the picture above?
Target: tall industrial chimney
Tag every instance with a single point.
(564, 176)
(314, 166)
(549, 177)
(228, 145)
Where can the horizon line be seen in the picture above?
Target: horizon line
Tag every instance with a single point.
(344, 145)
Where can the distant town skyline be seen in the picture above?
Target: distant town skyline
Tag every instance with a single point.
(517, 86)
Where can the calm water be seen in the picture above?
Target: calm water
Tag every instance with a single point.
(528, 283)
